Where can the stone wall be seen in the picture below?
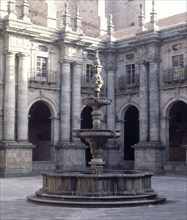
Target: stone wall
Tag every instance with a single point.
(125, 13)
(15, 162)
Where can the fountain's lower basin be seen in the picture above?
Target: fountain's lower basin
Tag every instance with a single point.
(120, 188)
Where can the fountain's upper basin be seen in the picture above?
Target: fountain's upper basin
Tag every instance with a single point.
(96, 133)
(96, 102)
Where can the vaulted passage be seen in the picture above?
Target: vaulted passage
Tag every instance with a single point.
(131, 131)
(40, 131)
(177, 131)
(86, 122)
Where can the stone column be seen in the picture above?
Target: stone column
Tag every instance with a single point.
(143, 106)
(111, 150)
(76, 95)
(111, 109)
(154, 101)
(65, 101)
(9, 101)
(22, 112)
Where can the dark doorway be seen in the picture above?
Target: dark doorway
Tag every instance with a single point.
(40, 131)
(131, 132)
(177, 131)
(86, 123)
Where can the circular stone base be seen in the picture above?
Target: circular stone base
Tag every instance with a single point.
(109, 189)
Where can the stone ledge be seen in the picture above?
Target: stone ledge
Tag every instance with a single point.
(71, 145)
(148, 145)
(16, 145)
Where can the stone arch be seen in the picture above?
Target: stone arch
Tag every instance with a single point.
(131, 131)
(124, 109)
(54, 120)
(40, 131)
(168, 104)
(128, 162)
(54, 108)
(168, 129)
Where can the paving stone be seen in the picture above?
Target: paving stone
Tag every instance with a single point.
(14, 206)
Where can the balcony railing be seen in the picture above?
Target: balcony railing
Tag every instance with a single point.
(175, 75)
(124, 84)
(50, 78)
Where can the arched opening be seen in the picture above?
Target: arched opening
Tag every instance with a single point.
(40, 131)
(86, 123)
(131, 132)
(177, 131)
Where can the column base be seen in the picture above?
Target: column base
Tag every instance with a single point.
(111, 155)
(149, 156)
(70, 156)
(15, 158)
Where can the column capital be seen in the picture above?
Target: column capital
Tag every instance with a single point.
(78, 63)
(111, 67)
(9, 52)
(25, 55)
(154, 59)
(64, 61)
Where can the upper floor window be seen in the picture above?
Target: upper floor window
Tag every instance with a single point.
(130, 70)
(89, 73)
(42, 67)
(178, 61)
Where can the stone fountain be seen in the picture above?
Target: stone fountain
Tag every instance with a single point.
(96, 137)
(97, 187)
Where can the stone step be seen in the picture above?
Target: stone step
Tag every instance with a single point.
(97, 204)
(95, 198)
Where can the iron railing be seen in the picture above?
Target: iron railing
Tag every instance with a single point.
(50, 77)
(123, 83)
(175, 75)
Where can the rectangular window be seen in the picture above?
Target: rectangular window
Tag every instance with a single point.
(42, 67)
(178, 67)
(89, 73)
(130, 70)
(178, 61)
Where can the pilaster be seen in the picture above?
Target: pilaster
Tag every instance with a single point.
(111, 109)
(22, 111)
(65, 100)
(9, 100)
(154, 125)
(143, 105)
(76, 95)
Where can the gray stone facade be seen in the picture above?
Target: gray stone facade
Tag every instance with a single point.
(45, 71)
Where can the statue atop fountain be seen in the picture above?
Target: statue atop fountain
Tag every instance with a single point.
(96, 137)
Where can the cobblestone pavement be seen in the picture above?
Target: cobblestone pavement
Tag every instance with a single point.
(14, 206)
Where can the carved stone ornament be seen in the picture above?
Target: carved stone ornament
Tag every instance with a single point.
(176, 47)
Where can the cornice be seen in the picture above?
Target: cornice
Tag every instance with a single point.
(29, 30)
(80, 41)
